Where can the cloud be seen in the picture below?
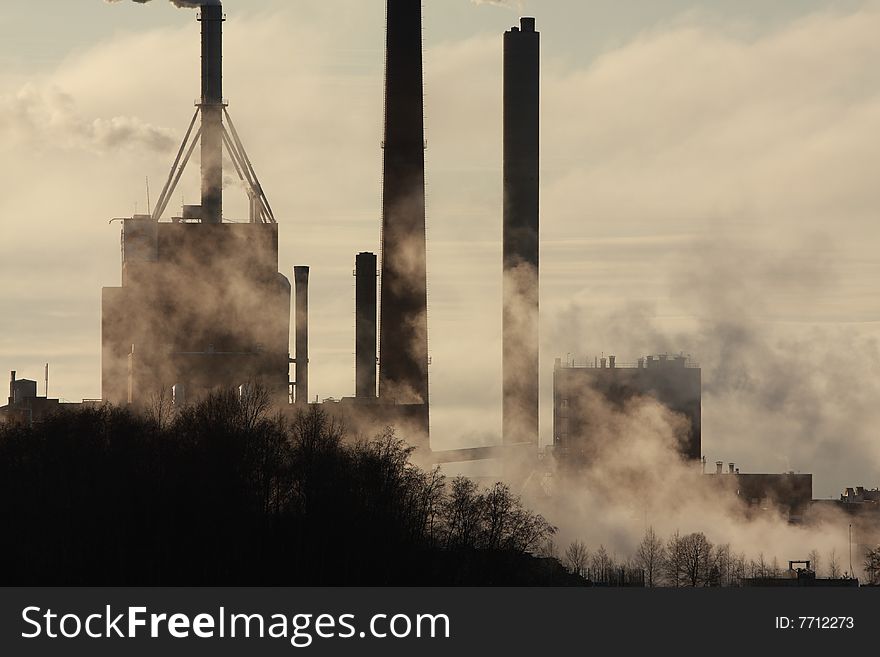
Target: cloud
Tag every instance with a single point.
(513, 5)
(177, 3)
(48, 118)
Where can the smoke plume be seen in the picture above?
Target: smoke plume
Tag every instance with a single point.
(49, 118)
(188, 4)
(513, 5)
(775, 398)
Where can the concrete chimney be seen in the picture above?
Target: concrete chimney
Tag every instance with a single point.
(12, 387)
(211, 103)
(301, 340)
(365, 325)
(403, 325)
(520, 233)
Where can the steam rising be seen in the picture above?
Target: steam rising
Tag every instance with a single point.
(49, 118)
(178, 3)
(770, 392)
(638, 481)
(513, 5)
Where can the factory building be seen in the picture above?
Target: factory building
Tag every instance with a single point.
(202, 306)
(25, 406)
(201, 303)
(672, 381)
(790, 493)
(800, 573)
(861, 507)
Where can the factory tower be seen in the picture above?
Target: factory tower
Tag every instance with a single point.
(403, 319)
(520, 234)
(202, 305)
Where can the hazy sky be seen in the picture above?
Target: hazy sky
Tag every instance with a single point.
(709, 185)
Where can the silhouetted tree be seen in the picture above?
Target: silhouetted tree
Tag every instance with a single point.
(650, 555)
(577, 558)
(222, 491)
(696, 551)
(833, 565)
(673, 563)
(872, 566)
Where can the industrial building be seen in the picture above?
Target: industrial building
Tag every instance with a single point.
(672, 381)
(789, 492)
(24, 406)
(861, 507)
(203, 306)
(799, 574)
(201, 303)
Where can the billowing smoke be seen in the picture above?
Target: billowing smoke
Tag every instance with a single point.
(638, 480)
(513, 5)
(178, 3)
(775, 398)
(49, 118)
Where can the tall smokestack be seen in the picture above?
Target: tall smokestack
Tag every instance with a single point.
(403, 341)
(365, 325)
(301, 282)
(212, 113)
(520, 320)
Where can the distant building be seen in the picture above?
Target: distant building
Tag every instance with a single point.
(25, 407)
(788, 491)
(672, 381)
(861, 507)
(804, 576)
(861, 497)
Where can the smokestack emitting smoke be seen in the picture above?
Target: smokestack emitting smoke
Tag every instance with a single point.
(211, 104)
(520, 320)
(365, 325)
(212, 113)
(301, 282)
(403, 342)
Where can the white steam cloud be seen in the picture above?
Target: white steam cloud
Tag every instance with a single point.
(48, 118)
(189, 4)
(513, 5)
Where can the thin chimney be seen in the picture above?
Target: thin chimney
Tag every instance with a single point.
(365, 325)
(403, 323)
(520, 233)
(211, 103)
(301, 340)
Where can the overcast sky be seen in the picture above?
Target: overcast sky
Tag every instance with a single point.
(709, 186)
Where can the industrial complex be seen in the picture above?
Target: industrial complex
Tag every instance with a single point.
(202, 305)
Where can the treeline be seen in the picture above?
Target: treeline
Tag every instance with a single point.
(224, 493)
(692, 560)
